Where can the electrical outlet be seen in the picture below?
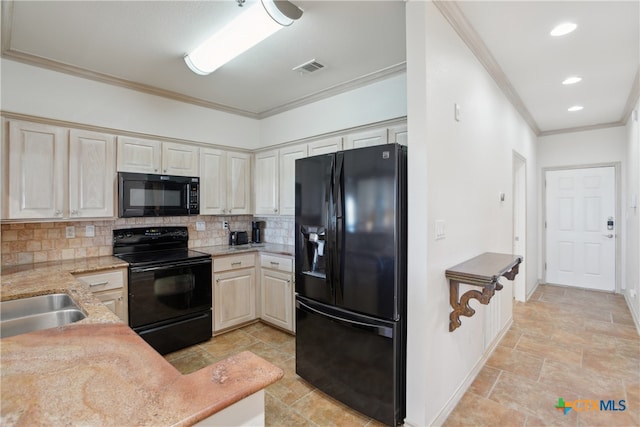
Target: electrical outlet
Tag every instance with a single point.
(200, 226)
(225, 225)
(90, 231)
(70, 232)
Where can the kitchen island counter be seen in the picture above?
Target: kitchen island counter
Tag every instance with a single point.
(99, 372)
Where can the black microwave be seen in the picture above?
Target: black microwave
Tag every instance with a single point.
(142, 194)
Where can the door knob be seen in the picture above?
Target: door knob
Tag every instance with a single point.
(610, 236)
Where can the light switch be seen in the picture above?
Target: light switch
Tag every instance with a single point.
(440, 234)
(200, 226)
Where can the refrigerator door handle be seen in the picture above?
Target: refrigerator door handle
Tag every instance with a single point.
(379, 330)
(338, 203)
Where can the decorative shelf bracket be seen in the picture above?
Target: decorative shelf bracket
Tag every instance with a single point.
(484, 270)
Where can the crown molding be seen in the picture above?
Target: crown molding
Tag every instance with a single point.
(582, 128)
(338, 89)
(452, 13)
(634, 95)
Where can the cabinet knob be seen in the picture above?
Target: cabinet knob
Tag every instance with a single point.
(155, 170)
(165, 171)
(74, 212)
(275, 210)
(58, 213)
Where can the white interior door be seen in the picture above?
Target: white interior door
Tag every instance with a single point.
(581, 228)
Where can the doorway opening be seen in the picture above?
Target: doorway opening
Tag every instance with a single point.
(519, 240)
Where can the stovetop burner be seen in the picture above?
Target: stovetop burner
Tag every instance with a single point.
(161, 257)
(154, 245)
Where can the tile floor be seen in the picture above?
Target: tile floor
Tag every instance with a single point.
(564, 342)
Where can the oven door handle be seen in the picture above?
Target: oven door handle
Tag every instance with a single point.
(171, 265)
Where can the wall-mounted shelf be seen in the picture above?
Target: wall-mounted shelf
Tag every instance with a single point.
(484, 270)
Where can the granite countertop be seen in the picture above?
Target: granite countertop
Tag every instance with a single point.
(99, 372)
(272, 248)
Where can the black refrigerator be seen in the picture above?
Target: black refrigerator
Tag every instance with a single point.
(351, 274)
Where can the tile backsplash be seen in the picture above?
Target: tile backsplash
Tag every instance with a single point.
(24, 243)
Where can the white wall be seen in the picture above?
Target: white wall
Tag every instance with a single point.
(456, 172)
(631, 216)
(49, 94)
(382, 100)
(600, 146)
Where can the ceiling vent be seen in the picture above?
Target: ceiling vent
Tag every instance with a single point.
(309, 67)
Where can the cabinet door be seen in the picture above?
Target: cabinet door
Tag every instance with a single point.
(266, 183)
(139, 155)
(213, 181)
(325, 146)
(277, 298)
(92, 174)
(288, 157)
(366, 139)
(116, 302)
(180, 159)
(238, 183)
(37, 170)
(234, 298)
(398, 134)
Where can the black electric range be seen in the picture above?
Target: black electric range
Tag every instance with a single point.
(169, 286)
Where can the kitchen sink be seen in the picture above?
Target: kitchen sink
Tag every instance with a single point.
(35, 313)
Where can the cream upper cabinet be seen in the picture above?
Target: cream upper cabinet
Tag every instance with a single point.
(366, 139)
(325, 146)
(265, 185)
(213, 181)
(287, 177)
(238, 183)
(92, 174)
(139, 155)
(55, 172)
(36, 169)
(180, 159)
(225, 182)
(150, 156)
(398, 134)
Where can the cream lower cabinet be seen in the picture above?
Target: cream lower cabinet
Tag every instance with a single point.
(234, 291)
(110, 287)
(277, 291)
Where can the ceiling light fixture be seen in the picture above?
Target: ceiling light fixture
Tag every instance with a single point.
(247, 30)
(563, 29)
(571, 80)
(575, 108)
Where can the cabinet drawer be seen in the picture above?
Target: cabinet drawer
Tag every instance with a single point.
(104, 280)
(234, 262)
(276, 262)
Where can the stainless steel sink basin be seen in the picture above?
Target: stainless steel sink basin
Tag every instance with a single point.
(35, 313)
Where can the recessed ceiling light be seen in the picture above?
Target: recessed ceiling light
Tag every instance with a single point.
(562, 29)
(575, 108)
(571, 80)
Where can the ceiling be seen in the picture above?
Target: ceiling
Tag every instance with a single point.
(141, 45)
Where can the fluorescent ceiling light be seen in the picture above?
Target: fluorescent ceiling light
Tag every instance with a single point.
(562, 29)
(575, 108)
(247, 30)
(571, 80)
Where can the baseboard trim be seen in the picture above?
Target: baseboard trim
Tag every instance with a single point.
(528, 297)
(634, 314)
(464, 386)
